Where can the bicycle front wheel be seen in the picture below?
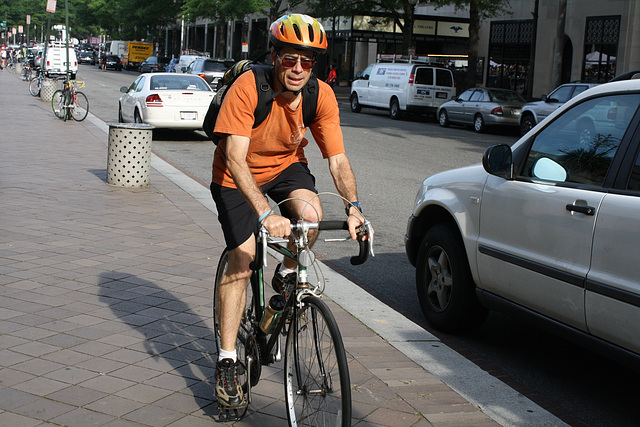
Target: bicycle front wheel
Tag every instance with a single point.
(57, 103)
(317, 384)
(34, 87)
(80, 107)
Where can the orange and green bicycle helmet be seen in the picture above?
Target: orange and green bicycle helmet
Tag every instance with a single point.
(298, 31)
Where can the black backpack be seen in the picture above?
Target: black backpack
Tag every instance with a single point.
(264, 84)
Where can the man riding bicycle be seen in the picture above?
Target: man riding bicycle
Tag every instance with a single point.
(269, 159)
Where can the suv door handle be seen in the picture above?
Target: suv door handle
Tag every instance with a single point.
(587, 210)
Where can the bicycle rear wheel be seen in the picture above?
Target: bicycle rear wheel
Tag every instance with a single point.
(34, 87)
(57, 103)
(246, 344)
(317, 384)
(80, 107)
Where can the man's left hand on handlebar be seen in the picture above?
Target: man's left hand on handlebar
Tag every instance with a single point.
(354, 221)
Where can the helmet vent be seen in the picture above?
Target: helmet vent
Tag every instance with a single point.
(298, 32)
(310, 33)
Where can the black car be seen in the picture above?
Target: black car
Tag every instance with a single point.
(86, 58)
(114, 62)
(154, 64)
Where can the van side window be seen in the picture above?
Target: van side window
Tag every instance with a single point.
(444, 78)
(424, 76)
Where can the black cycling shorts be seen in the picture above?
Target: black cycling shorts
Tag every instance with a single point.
(238, 219)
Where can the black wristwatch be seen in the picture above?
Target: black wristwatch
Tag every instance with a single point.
(355, 205)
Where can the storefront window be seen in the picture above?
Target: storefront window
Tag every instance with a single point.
(600, 48)
(509, 49)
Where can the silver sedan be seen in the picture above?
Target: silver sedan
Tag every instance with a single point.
(482, 107)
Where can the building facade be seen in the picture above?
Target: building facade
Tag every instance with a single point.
(517, 50)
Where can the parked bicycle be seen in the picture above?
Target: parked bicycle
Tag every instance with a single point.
(317, 383)
(36, 82)
(69, 102)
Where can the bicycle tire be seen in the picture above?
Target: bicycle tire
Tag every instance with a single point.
(80, 107)
(314, 357)
(245, 342)
(34, 87)
(57, 104)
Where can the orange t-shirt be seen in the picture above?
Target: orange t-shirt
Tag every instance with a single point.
(279, 140)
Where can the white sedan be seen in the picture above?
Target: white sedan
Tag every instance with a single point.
(166, 100)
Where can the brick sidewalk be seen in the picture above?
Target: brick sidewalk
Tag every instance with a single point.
(105, 298)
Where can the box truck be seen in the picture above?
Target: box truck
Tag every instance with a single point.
(135, 53)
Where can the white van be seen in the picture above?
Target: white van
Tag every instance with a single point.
(115, 47)
(412, 87)
(56, 61)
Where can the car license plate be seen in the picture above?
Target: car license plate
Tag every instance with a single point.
(188, 115)
(515, 112)
(441, 95)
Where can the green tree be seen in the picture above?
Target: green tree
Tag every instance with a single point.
(479, 10)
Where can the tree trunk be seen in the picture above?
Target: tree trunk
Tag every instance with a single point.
(474, 37)
(559, 47)
(407, 30)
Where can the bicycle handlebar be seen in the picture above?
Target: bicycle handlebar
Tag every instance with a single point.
(366, 246)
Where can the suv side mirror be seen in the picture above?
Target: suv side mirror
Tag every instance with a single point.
(544, 98)
(497, 160)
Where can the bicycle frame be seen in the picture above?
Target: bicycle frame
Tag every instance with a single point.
(257, 277)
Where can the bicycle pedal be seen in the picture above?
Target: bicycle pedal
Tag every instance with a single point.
(226, 415)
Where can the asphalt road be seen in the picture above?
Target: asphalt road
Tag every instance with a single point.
(390, 160)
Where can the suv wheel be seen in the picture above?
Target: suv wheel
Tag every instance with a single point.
(446, 290)
(527, 124)
(355, 105)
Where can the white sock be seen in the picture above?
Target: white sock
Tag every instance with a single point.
(284, 270)
(224, 354)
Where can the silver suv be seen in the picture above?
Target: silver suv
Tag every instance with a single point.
(534, 112)
(547, 229)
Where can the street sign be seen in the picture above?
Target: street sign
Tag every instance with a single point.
(28, 19)
(51, 6)
(20, 29)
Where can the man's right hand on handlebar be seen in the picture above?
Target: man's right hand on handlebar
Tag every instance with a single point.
(277, 226)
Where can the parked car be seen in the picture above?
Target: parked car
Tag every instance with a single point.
(634, 74)
(399, 87)
(546, 230)
(184, 62)
(114, 62)
(166, 100)
(212, 70)
(482, 107)
(535, 112)
(154, 64)
(86, 58)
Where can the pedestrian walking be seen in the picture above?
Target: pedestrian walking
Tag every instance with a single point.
(333, 76)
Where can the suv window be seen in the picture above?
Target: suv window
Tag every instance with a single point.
(214, 66)
(424, 76)
(579, 146)
(562, 94)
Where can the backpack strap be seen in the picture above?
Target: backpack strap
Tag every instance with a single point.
(264, 85)
(310, 101)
